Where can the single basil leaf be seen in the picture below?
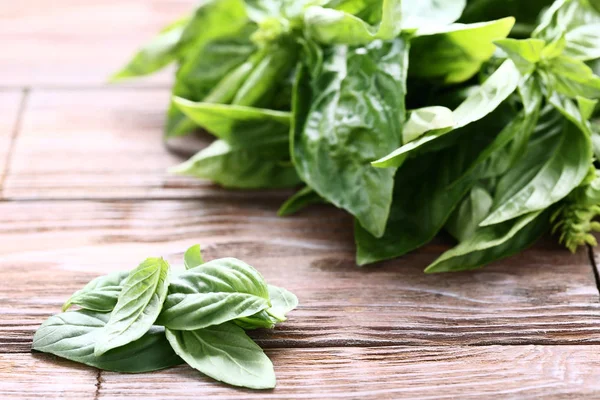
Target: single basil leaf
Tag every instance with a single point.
(282, 300)
(330, 26)
(157, 54)
(586, 107)
(225, 353)
(492, 243)
(468, 215)
(425, 13)
(457, 53)
(100, 294)
(426, 191)
(347, 115)
(571, 77)
(552, 167)
(193, 257)
(525, 53)
(477, 105)
(425, 120)
(238, 124)
(73, 335)
(252, 166)
(303, 198)
(212, 293)
(138, 306)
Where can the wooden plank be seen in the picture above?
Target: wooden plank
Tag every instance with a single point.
(549, 372)
(9, 108)
(95, 144)
(50, 249)
(78, 42)
(41, 376)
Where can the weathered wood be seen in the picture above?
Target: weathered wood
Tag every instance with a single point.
(548, 372)
(41, 376)
(78, 42)
(9, 109)
(50, 249)
(95, 144)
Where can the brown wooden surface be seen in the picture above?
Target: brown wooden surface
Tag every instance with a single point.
(84, 191)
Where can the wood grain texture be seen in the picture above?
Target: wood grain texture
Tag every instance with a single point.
(42, 376)
(95, 144)
(507, 372)
(50, 249)
(78, 42)
(9, 109)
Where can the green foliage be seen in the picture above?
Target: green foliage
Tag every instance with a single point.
(477, 116)
(126, 336)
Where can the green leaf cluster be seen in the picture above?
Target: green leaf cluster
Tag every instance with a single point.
(154, 317)
(475, 117)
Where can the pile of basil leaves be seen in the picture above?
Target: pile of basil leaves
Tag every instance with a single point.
(471, 116)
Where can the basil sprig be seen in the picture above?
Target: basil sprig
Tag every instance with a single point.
(155, 317)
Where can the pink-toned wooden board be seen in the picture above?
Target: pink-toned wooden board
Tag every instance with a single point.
(10, 102)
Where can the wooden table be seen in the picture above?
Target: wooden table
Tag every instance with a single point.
(83, 191)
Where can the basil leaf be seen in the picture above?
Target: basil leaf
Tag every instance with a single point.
(347, 115)
(138, 306)
(553, 166)
(283, 301)
(73, 335)
(425, 120)
(261, 320)
(225, 353)
(571, 77)
(157, 54)
(456, 53)
(100, 294)
(213, 293)
(427, 189)
(524, 53)
(193, 257)
(330, 26)
(425, 13)
(476, 106)
(468, 215)
(492, 243)
(303, 198)
(238, 124)
(253, 166)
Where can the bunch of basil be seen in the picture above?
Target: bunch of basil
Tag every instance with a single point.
(392, 110)
(154, 316)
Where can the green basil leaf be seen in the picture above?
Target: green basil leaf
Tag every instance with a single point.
(256, 166)
(571, 77)
(282, 300)
(238, 124)
(477, 105)
(225, 353)
(138, 306)
(157, 54)
(427, 189)
(492, 243)
(426, 13)
(303, 198)
(552, 167)
(330, 26)
(468, 215)
(193, 257)
(73, 335)
(347, 115)
(425, 120)
(100, 294)
(213, 293)
(455, 53)
(524, 53)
